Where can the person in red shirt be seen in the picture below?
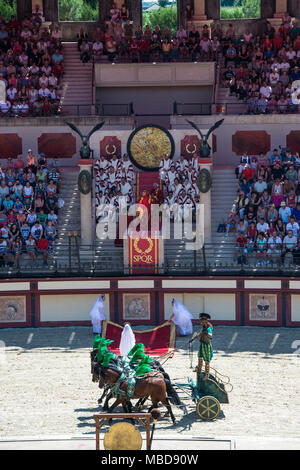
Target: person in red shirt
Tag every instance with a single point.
(19, 163)
(297, 43)
(277, 41)
(241, 243)
(252, 231)
(42, 248)
(267, 43)
(248, 173)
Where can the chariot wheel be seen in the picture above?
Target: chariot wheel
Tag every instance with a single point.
(208, 408)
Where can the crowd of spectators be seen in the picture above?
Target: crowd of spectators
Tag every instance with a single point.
(29, 203)
(120, 43)
(261, 70)
(266, 214)
(31, 66)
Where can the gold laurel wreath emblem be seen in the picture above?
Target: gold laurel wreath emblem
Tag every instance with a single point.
(138, 250)
(108, 152)
(194, 149)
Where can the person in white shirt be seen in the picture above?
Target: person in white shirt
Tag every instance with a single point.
(274, 77)
(115, 162)
(11, 93)
(44, 92)
(293, 226)
(165, 164)
(260, 185)
(176, 188)
(181, 164)
(195, 162)
(5, 107)
(97, 48)
(101, 163)
(265, 90)
(262, 226)
(291, 54)
(170, 177)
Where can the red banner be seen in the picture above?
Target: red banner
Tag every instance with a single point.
(158, 341)
(143, 253)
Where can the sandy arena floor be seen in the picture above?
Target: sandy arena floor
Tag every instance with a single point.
(46, 386)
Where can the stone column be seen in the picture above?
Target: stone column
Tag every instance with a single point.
(86, 209)
(24, 9)
(51, 10)
(199, 10)
(104, 7)
(205, 198)
(135, 12)
(281, 8)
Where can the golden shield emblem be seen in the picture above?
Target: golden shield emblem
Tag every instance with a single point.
(204, 181)
(148, 145)
(122, 436)
(84, 182)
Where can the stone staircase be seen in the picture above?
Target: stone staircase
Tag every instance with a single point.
(231, 103)
(224, 192)
(77, 94)
(69, 214)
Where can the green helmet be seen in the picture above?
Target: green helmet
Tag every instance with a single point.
(108, 356)
(139, 354)
(136, 347)
(101, 353)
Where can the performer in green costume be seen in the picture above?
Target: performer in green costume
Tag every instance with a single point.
(205, 349)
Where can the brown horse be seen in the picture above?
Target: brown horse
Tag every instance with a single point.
(151, 384)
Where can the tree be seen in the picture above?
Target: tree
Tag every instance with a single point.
(162, 17)
(163, 3)
(251, 8)
(8, 8)
(78, 10)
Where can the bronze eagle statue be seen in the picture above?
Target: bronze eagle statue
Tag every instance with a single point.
(205, 147)
(85, 150)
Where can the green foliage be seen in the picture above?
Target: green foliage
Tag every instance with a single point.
(78, 10)
(251, 8)
(8, 8)
(162, 17)
(240, 9)
(163, 3)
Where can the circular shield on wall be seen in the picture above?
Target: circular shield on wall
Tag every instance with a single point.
(204, 181)
(147, 146)
(84, 182)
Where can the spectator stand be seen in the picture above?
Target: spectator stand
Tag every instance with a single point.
(30, 202)
(31, 66)
(265, 216)
(258, 71)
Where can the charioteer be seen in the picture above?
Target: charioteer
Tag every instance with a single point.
(205, 349)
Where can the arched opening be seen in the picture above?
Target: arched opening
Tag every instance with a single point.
(240, 9)
(78, 10)
(8, 8)
(160, 12)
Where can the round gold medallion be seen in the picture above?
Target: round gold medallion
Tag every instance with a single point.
(122, 436)
(148, 145)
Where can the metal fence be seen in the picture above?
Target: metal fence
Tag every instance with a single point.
(213, 260)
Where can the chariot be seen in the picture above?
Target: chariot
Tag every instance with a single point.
(207, 394)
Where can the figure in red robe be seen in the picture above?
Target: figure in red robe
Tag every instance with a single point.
(144, 207)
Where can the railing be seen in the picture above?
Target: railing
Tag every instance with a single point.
(186, 109)
(114, 109)
(212, 259)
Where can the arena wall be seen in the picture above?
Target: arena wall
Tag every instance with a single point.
(147, 301)
(237, 133)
